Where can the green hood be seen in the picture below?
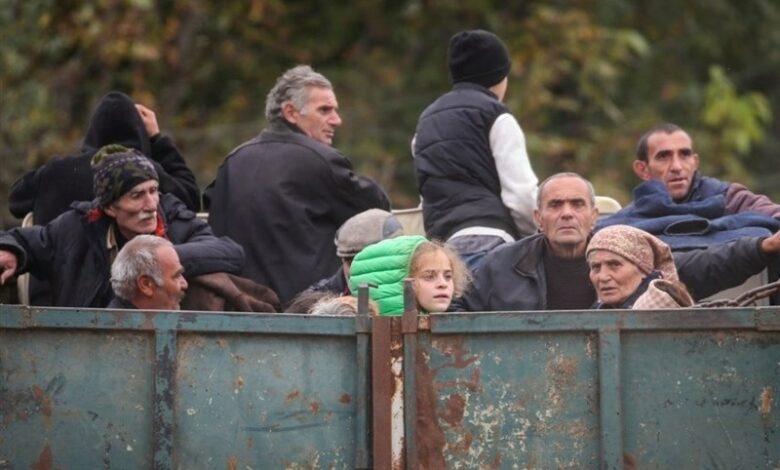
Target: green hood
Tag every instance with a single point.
(386, 265)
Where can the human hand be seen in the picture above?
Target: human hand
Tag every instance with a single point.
(8, 264)
(771, 244)
(149, 119)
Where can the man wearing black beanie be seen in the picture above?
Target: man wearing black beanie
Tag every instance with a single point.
(473, 172)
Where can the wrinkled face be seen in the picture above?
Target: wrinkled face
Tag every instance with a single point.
(671, 160)
(566, 215)
(614, 277)
(319, 118)
(433, 281)
(136, 211)
(168, 296)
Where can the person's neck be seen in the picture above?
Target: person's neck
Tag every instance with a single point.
(566, 251)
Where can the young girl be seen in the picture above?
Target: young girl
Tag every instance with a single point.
(439, 274)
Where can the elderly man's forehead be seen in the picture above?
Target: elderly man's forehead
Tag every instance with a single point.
(146, 185)
(566, 189)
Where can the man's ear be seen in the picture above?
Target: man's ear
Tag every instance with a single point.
(145, 285)
(110, 211)
(641, 170)
(289, 113)
(538, 219)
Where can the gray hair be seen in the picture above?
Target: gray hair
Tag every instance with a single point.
(293, 87)
(137, 258)
(565, 174)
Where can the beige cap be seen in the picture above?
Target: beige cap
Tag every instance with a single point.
(366, 228)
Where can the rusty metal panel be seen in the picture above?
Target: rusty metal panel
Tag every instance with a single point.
(683, 389)
(507, 400)
(75, 400)
(702, 400)
(261, 401)
(133, 389)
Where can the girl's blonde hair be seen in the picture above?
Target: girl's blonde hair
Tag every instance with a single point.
(461, 276)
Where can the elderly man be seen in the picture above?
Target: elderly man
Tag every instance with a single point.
(147, 275)
(74, 251)
(548, 271)
(359, 231)
(683, 208)
(283, 194)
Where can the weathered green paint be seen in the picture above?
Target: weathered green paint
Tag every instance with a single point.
(601, 389)
(120, 389)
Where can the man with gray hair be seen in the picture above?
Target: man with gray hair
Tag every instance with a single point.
(549, 270)
(283, 194)
(147, 275)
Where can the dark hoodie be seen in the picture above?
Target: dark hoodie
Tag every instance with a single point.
(50, 190)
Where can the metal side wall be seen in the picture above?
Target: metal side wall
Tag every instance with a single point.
(684, 389)
(121, 389)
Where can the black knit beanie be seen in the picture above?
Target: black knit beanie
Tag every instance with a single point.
(478, 56)
(116, 170)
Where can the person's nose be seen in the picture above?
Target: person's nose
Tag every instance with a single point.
(335, 119)
(567, 211)
(150, 202)
(676, 164)
(183, 283)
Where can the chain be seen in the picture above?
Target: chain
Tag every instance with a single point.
(745, 299)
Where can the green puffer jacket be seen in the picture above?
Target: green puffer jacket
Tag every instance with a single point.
(386, 265)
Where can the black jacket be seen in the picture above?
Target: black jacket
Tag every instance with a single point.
(512, 277)
(49, 190)
(456, 171)
(70, 252)
(282, 196)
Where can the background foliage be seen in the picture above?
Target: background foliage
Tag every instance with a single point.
(588, 77)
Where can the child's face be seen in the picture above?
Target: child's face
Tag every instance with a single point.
(433, 280)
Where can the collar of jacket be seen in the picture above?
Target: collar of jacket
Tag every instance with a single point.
(474, 86)
(282, 125)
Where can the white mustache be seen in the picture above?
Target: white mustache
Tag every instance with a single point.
(144, 216)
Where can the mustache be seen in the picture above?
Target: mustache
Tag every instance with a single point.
(143, 216)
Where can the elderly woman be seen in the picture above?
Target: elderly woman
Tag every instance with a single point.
(630, 268)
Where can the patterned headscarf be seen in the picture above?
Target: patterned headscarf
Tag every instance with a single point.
(642, 249)
(116, 170)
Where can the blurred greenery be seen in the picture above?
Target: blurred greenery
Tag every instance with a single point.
(588, 77)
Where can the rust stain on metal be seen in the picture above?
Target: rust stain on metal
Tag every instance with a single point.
(430, 437)
(238, 384)
(292, 395)
(765, 407)
(45, 460)
(562, 373)
(314, 407)
(44, 404)
(345, 399)
(424, 322)
(453, 410)
(630, 462)
(462, 446)
(222, 343)
(232, 463)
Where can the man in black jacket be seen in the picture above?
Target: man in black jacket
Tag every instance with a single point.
(548, 271)
(283, 194)
(48, 191)
(74, 251)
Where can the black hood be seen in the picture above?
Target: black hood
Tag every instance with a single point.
(116, 121)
